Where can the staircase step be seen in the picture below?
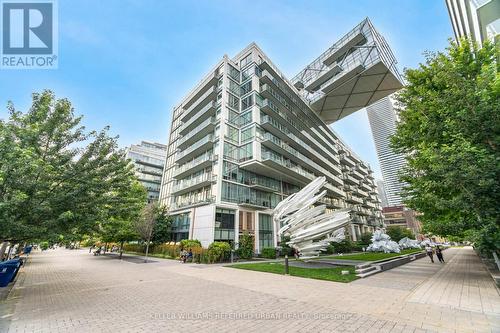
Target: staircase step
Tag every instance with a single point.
(365, 270)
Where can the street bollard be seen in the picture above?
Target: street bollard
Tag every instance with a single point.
(286, 264)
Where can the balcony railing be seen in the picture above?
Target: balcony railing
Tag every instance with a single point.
(287, 164)
(277, 141)
(197, 161)
(258, 181)
(196, 105)
(208, 139)
(188, 124)
(198, 181)
(196, 130)
(193, 202)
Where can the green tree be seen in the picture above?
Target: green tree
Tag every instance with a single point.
(397, 232)
(449, 132)
(153, 219)
(57, 178)
(245, 246)
(162, 229)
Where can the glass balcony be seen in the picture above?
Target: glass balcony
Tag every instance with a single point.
(198, 147)
(347, 159)
(191, 202)
(187, 185)
(264, 184)
(199, 131)
(364, 186)
(207, 110)
(352, 198)
(350, 179)
(198, 104)
(268, 156)
(269, 123)
(357, 174)
(194, 165)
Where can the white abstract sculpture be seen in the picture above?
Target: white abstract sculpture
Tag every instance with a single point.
(310, 228)
(408, 243)
(382, 242)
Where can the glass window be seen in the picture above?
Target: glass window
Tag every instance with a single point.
(247, 134)
(224, 225)
(232, 134)
(230, 151)
(247, 102)
(246, 87)
(234, 102)
(246, 152)
(246, 118)
(265, 231)
(234, 73)
(246, 60)
(234, 87)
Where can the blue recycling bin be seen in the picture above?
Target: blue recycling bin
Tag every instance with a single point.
(8, 271)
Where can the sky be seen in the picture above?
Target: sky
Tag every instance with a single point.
(127, 63)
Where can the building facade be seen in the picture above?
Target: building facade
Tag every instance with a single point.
(381, 192)
(149, 160)
(246, 137)
(476, 19)
(383, 120)
(402, 217)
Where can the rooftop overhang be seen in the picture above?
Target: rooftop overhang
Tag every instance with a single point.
(355, 72)
(360, 90)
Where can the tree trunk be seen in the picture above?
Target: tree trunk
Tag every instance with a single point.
(121, 249)
(147, 250)
(2, 249)
(10, 250)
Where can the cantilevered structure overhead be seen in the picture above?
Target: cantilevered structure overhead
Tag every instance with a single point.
(355, 72)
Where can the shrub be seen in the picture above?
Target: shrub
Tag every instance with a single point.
(218, 251)
(245, 246)
(167, 250)
(366, 238)
(139, 248)
(285, 249)
(343, 247)
(358, 246)
(186, 244)
(330, 249)
(44, 245)
(268, 252)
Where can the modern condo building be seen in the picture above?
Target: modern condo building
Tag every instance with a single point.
(383, 119)
(246, 137)
(149, 159)
(476, 19)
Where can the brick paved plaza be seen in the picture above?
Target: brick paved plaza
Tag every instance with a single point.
(72, 291)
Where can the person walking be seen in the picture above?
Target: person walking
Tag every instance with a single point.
(430, 253)
(439, 254)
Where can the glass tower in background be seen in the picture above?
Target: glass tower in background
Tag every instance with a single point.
(149, 159)
(383, 118)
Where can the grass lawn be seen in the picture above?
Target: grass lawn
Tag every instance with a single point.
(371, 256)
(329, 274)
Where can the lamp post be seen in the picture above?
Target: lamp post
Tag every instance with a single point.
(286, 264)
